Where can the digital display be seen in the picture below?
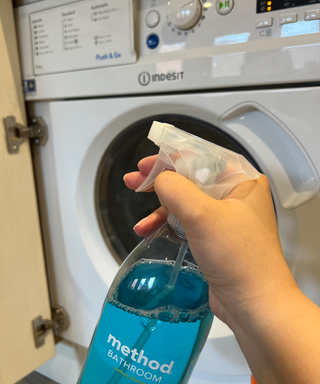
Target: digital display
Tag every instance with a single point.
(276, 5)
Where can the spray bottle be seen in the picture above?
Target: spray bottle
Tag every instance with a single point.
(156, 317)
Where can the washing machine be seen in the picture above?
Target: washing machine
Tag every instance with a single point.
(242, 74)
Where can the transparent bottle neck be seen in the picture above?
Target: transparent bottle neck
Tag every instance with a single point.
(176, 227)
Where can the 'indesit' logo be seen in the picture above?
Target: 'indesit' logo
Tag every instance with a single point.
(145, 78)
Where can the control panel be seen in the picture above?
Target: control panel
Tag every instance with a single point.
(98, 47)
(172, 25)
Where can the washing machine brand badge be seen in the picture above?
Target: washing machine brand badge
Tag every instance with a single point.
(145, 78)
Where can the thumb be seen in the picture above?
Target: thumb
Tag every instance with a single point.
(182, 198)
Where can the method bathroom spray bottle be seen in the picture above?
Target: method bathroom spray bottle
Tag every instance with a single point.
(156, 316)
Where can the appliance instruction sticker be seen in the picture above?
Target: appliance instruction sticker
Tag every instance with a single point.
(83, 35)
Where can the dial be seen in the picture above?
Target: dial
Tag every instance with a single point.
(184, 14)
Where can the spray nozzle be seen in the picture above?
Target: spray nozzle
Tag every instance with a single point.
(213, 169)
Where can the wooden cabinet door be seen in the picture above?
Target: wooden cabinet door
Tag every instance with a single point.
(23, 284)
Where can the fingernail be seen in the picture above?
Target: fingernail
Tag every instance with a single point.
(140, 222)
(124, 177)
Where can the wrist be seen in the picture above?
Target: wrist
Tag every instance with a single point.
(280, 338)
(258, 312)
(249, 303)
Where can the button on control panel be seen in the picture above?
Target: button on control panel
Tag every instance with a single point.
(152, 41)
(287, 19)
(152, 19)
(184, 14)
(224, 7)
(312, 15)
(265, 22)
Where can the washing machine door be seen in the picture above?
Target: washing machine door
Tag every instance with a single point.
(118, 208)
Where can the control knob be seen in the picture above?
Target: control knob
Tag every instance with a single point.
(184, 14)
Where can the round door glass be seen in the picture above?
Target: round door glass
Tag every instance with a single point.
(118, 208)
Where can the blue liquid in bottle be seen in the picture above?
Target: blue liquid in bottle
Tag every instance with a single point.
(147, 332)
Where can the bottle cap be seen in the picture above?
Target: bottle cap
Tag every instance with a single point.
(176, 226)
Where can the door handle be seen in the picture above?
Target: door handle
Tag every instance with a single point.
(278, 153)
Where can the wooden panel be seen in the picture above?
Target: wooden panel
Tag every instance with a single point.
(23, 285)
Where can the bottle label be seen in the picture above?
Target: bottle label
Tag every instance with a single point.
(142, 365)
(127, 348)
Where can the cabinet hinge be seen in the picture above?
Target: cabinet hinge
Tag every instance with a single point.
(16, 133)
(60, 322)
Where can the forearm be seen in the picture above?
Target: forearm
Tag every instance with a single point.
(280, 338)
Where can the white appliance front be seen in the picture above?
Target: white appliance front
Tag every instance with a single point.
(277, 127)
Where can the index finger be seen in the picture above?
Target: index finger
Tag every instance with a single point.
(134, 179)
(145, 165)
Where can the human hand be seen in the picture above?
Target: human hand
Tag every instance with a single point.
(234, 241)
